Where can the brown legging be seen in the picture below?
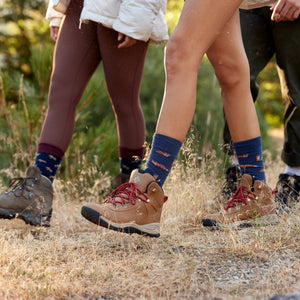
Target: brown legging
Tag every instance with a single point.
(77, 54)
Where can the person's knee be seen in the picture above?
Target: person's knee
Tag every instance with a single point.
(174, 57)
(127, 109)
(65, 92)
(231, 74)
(180, 57)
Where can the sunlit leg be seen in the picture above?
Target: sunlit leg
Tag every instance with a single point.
(228, 57)
(200, 23)
(230, 63)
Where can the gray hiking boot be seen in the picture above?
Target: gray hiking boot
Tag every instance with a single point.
(29, 199)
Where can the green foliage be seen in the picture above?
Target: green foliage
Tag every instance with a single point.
(41, 66)
(22, 24)
(23, 109)
(152, 88)
(173, 13)
(269, 99)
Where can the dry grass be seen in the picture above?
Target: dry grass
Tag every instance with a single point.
(74, 259)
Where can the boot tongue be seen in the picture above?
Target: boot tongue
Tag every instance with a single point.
(246, 181)
(141, 180)
(33, 171)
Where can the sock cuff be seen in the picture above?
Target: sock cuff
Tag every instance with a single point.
(255, 141)
(50, 149)
(129, 153)
(165, 141)
(249, 154)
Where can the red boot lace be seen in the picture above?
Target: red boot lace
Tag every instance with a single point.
(127, 192)
(240, 196)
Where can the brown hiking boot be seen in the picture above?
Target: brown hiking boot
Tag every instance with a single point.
(133, 207)
(30, 199)
(248, 203)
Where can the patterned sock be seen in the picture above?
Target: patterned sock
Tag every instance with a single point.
(249, 154)
(48, 159)
(163, 153)
(130, 159)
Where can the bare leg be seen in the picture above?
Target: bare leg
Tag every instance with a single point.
(229, 60)
(225, 50)
(200, 23)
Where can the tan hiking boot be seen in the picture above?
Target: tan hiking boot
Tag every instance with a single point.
(30, 199)
(134, 207)
(248, 203)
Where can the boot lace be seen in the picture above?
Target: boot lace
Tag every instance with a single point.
(242, 195)
(20, 184)
(125, 193)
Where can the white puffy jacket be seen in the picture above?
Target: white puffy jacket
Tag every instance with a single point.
(140, 19)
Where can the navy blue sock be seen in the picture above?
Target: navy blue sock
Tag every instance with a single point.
(249, 154)
(48, 164)
(163, 153)
(130, 159)
(128, 165)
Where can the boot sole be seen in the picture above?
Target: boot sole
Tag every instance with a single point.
(151, 230)
(27, 217)
(265, 220)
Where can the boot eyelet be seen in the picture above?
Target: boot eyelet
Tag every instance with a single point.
(125, 206)
(148, 200)
(154, 190)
